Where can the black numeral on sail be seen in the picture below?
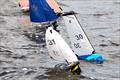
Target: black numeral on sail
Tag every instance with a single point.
(51, 42)
(79, 36)
(77, 45)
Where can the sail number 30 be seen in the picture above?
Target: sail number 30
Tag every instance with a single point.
(79, 36)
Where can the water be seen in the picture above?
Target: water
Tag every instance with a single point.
(22, 57)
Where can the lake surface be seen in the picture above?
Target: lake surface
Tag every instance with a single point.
(23, 57)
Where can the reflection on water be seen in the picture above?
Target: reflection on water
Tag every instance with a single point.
(24, 21)
(53, 74)
(58, 73)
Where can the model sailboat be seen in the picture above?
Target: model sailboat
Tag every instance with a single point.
(79, 41)
(41, 11)
(45, 11)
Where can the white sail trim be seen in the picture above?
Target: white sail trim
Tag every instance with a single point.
(58, 48)
(79, 41)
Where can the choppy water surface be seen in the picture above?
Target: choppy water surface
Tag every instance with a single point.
(23, 57)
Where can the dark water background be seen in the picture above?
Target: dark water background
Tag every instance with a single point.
(23, 57)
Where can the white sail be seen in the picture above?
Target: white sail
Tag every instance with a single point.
(58, 48)
(79, 41)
